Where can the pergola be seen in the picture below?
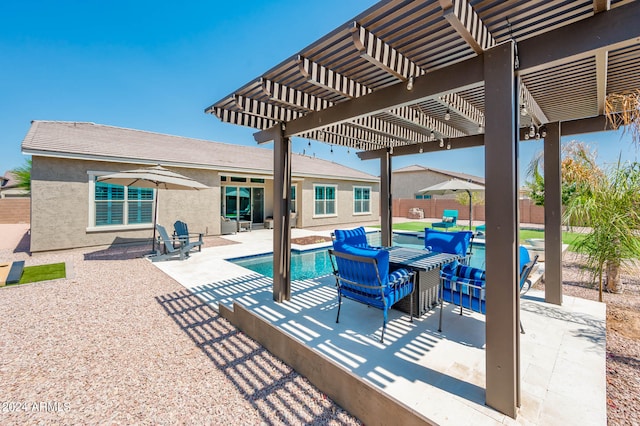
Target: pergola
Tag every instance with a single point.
(418, 76)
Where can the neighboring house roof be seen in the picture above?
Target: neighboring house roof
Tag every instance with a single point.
(464, 176)
(8, 180)
(90, 141)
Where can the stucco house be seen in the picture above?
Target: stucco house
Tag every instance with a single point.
(407, 181)
(70, 209)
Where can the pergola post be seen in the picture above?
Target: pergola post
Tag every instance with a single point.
(501, 169)
(386, 216)
(281, 217)
(552, 215)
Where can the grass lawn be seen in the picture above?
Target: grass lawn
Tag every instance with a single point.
(32, 274)
(525, 234)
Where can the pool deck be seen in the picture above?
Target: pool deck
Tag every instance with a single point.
(440, 375)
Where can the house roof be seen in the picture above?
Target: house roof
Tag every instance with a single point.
(99, 142)
(417, 168)
(8, 180)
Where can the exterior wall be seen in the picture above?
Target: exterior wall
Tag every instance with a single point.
(60, 197)
(60, 205)
(13, 193)
(306, 203)
(407, 184)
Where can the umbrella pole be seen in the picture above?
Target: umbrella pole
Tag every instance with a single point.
(155, 221)
(470, 211)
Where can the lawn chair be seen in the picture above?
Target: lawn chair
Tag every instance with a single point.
(166, 250)
(181, 234)
(362, 275)
(449, 220)
(465, 286)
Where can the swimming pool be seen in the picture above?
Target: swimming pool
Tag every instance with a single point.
(315, 263)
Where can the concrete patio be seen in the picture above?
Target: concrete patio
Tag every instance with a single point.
(439, 375)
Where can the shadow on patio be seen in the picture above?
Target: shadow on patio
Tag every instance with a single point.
(273, 388)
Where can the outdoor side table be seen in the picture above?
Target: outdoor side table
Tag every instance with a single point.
(428, 265)
(244, 225)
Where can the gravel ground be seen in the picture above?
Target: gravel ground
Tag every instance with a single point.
(119, 342)
(623, 337)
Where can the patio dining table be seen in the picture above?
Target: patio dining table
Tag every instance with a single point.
(428, 265)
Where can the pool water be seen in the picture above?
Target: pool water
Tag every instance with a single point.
(310, 264)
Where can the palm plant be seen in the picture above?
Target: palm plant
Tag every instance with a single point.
(578, 167)
(609, 205)
(23, 175)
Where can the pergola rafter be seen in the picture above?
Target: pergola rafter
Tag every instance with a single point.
(330, 80)
(383, 56)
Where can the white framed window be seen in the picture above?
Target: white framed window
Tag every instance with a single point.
(113, 207)
(325, 200)
(361, 199)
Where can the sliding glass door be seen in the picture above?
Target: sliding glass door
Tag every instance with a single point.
(243, 203)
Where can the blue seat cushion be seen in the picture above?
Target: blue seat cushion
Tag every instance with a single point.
(355, 237)
(464, 285)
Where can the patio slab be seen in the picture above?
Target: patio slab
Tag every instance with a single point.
(440, 375)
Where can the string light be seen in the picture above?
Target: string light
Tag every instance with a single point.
(441, 143)
(447, 115)
(410, 83)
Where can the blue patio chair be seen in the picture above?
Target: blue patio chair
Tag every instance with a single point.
(465, 286)
(166, 250)
(182, 235)
(449, 242)
(363, 275)
(356, 237)
(449, 220)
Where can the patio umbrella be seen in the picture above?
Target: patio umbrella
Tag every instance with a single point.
(451, 187)
(152, 177)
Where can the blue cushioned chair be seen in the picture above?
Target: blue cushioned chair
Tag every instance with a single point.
(448, 242)
(449, 220)
(465, 285)
(356, 237)
(362, 274)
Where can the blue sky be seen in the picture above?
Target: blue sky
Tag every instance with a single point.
(156, 65)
